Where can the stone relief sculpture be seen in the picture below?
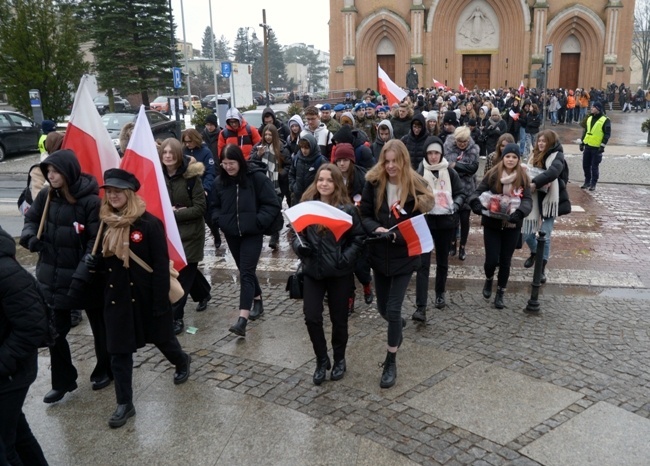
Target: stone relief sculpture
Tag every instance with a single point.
(477, 31)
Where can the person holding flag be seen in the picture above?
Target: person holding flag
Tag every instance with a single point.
(328, 262)
(393, 193)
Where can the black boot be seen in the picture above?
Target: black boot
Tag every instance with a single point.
(322, 365)
(257, 310)
(452, 249)
(389, 375)
(273, 242)
(420, 314)
(530, 261)
(498, 299)
(487, 288)
(461, 253)
(440, 300)
(240, 327)
(542, 279)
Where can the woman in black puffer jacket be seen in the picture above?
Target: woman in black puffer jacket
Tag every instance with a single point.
(71, 206)
(328, 266)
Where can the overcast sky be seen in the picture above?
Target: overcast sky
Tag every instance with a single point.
(291, 20)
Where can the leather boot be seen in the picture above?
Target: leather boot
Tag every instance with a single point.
(452, 249)
(530, 261)
(322, 365)
(257, 310)
(121, 414)
(389, 375)
(542, 279)
(420, 314)
(440, 300)
(239, 328)
(487, 288)
(498, 299)
(273, 242)
(461, 253)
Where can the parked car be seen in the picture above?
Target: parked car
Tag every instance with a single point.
(160, 104)
(206, 99)
(260, 98)
(196, 102)
(101, 103)
(282, 97)
(162, 126)
(17, 133)
(254, 117)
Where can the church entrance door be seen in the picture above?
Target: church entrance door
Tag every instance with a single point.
(569, 69)
(476, 71)
(387, 63)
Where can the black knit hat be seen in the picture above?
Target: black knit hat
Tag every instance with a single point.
(211, 118)
(511, 148)
(450, 117)
(121, 179)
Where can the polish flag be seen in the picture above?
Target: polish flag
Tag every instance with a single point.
(141, 158)
(87, 136)
(392, 91)
(438, 84)
(417, 235)
(461, 88)
(522, 89)
(309, 213)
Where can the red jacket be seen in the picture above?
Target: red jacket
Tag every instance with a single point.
(246, 137)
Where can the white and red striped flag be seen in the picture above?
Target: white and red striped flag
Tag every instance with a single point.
(141, 158)
(87, 136)
(438, 84)
(309, 213)
(522, 89)
(387, 87)
(461, 86)
(417, 235)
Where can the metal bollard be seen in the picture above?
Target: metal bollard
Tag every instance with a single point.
(533, 303)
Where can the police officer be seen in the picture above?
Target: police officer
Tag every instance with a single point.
(594, 138)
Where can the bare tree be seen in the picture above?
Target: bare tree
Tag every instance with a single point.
(641, 39)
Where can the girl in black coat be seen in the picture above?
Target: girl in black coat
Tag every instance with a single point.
(245, 206)
(448, 192)
(500, 236)
(328, 266)
(394, 192)
(137, 310)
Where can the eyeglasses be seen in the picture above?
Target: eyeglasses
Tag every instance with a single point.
(462, 141)
(228, 164)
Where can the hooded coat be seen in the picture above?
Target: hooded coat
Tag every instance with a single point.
(292, 144)
(246, 136)
(466, 161)
(283, 130)
(70, 229)
(378, 145)
(415, 144)
(303, 169)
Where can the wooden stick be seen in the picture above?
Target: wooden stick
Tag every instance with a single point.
(41, 227)
(98, 239)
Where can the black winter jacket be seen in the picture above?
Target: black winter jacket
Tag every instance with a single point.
(70, 229)
(551, 174)
(303, 169)
(204, 155)
(415, 144)
(23, 321)
(331, 258)
(489, 184)
(283, 130)
(248, 208)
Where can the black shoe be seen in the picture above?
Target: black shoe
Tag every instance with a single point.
(55, 395)
(420, 314)
(368, 294)
(461, 253)
(584, 186)
(121, 414)
(487, 288)
(338, 371)
(182, 372)
(498, 298)
(530, 261)
(322, 365)
(101, 383)
(217, 242)
(452, 250)
(389, 375)
(75, 317)
(273, 242)
(203, 304)
(239, 328)
(592, 187)
(440, 301)
(179, 325)
(258, 309)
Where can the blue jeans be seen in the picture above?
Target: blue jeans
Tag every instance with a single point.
(522, 139)
(554, 117)
(531, 238)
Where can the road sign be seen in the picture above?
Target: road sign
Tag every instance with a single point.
(226, 69)
(177, 78)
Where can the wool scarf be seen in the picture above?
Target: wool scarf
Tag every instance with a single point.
(443, 182)
(116, 237)
(549, 204)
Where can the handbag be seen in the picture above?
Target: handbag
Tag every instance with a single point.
(176, 291)
(295, 284)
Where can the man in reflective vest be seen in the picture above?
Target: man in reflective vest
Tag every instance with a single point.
(594, 139)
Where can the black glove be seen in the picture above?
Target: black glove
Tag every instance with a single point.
(476, 207)
(35, 245)
(91, 262)
(383, 236)
(516, 217)
(582, 147)
(305, 250)
(601, 149)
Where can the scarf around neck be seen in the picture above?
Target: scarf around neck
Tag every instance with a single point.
(549, 203)
(443, 182)
(116, 237)
(506, 181)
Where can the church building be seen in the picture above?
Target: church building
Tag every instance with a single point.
(486, 43)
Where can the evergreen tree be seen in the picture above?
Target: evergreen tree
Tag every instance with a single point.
(277, 70)
(208, 41)
(133, 46)
(39, 49)
(316, 70)
(222, 49)
(242, 48)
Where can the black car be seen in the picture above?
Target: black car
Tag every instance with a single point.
(205, 100)
(162, 126)
(101, 103)
(17, 133)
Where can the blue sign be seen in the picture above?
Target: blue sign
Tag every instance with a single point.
(226, 69)
(176, 72)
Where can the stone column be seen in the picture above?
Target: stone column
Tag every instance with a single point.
(613, 10)
(417, 33)
(350, 40)
(540, 21)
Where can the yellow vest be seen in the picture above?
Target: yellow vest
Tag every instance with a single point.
(595, 133)
(41, 144)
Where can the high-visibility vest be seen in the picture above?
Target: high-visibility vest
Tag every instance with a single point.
(595, 132)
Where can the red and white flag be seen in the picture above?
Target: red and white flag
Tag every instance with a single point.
(87, 136)
(522, 89)
(141, 158)
(438, 84)
(392, 91)
(417, 235)
(309, 213)
(461, 86)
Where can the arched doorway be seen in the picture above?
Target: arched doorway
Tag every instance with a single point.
(386, 57)
(570, 63)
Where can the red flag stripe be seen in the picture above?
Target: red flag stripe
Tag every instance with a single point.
(411, 237)
(337, 227)
(85, 148)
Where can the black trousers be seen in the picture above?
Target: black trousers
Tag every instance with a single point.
(246, 251)
(441, 240)
(64, 374)
(338, 291)
(500, 245)
(122, 365)
(186, 278)
(98, 326)
(390, 296)
(462, 226)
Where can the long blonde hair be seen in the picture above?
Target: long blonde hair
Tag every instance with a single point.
(131, 209)
(410, 183)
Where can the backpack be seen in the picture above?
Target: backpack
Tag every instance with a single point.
(25, 199)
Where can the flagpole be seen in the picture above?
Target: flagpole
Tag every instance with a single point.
(292, 227)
